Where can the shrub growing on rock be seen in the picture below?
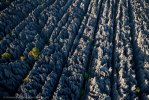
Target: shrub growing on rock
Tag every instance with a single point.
(34, 53)
(6, 55)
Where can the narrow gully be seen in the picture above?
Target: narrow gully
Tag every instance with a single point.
(113, 59)
(66, 58)
(136, 52)
(91, 50)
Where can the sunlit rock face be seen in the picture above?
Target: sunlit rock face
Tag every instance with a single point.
(74, 49)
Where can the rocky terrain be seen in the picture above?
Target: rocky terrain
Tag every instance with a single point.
(74, 49)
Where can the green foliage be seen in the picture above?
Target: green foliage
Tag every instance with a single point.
(85, 76)
(34, 53)
(137, 90)
(82, 92)
(26, 79)
(6, 55)
(22, 58)
(93, 1)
